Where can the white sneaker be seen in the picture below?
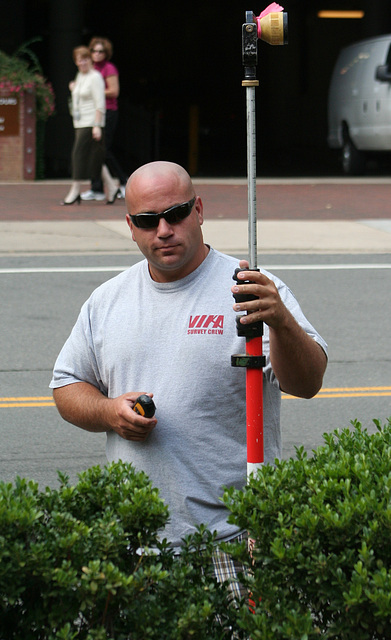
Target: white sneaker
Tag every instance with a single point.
(88, 195)
(122, 191)
(92, 195)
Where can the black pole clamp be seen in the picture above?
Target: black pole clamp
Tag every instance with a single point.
(250, 362)
(249, 50)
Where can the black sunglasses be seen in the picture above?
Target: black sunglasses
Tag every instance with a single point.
(173, 215)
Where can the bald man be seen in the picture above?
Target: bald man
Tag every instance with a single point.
(166, 327)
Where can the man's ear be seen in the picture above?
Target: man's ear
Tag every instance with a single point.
(200, 209)
(130, 225)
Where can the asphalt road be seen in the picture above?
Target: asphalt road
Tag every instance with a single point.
(345, 296)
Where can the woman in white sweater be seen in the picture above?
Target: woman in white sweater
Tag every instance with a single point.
(88, 111)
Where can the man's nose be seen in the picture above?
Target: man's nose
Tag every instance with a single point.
(164, 229)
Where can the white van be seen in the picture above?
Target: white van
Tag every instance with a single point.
(359, 104)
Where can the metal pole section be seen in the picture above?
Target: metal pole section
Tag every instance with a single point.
(250, 82)
(251, 177)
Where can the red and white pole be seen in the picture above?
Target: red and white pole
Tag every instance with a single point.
(270, 26)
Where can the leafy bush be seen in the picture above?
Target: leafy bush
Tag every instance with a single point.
(322, 531)
(71, 566)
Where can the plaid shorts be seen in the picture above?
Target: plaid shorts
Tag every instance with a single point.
(226, 568)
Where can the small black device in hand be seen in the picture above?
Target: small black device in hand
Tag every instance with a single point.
(145, 406)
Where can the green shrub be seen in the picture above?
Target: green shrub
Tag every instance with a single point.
(322, 531)
(70, 565)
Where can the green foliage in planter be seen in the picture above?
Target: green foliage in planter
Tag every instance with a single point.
(322, 531)
(70, 564)
(22, 72)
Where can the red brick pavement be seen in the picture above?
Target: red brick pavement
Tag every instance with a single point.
(312, 201)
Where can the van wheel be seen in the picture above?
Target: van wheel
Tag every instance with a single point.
(353, 160)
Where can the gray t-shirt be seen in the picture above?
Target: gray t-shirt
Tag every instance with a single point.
(176, 340)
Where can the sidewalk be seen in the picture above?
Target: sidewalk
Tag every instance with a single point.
(304, 216)
(113, 236)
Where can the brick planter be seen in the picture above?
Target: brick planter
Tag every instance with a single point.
(17, 135)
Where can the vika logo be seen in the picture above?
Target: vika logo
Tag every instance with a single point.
(206, 325)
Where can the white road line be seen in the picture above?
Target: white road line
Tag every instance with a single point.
(327, 267)
(274, 267)
(62, 269)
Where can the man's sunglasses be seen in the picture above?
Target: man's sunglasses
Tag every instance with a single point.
(173, 215)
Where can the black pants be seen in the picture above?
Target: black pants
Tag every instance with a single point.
(111, 161)
(87, 155)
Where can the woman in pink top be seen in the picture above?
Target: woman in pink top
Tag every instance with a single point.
(102, 51)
